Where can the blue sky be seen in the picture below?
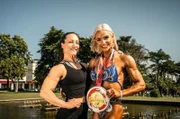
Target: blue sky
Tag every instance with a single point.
(153, 23)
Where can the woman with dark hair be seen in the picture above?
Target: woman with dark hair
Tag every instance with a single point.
(72, 77)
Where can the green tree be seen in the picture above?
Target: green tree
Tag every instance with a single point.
(50, 51)
(162, 67)
(85, 53)
(131, 47)
(14, 55)
(177, 70)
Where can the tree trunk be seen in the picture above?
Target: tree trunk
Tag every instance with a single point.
(17, 82)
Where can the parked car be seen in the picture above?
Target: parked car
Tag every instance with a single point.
(19, 90)
(34, 90)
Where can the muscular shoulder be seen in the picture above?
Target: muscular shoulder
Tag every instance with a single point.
(128, 60)
(92, 62)
(57, 67)
(57, 71)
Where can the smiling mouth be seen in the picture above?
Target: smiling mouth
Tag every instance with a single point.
(104, 47)
(75, 50)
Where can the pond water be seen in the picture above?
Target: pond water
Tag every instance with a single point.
(14, 111)
(153, 111)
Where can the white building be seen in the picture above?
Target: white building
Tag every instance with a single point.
(27, 82)
(30, 78)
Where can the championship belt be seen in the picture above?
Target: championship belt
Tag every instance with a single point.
(97, 99)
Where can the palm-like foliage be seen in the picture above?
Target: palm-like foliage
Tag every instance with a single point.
(163, 68)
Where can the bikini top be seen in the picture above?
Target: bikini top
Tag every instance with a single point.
(109, 74)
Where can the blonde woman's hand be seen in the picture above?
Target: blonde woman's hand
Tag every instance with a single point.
(120, 52)
(113, 93)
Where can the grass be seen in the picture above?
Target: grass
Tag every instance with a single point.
(177, 99)
(22, 95)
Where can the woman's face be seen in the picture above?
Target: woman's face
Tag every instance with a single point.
(71, 44)
(104, 40)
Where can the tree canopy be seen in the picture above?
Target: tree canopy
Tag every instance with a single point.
(14, 56)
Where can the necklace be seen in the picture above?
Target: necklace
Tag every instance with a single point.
(69, 64)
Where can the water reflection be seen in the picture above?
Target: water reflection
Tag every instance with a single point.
(153, 111)
(14, 111)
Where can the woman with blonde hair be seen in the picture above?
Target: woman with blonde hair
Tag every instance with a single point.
(108, 71)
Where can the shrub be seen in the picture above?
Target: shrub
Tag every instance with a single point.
(155, 93)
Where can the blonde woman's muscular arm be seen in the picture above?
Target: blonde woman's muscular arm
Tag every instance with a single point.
(135, 75)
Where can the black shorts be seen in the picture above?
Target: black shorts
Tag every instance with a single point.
(75, 113)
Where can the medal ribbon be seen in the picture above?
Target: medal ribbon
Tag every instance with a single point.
(99, 74)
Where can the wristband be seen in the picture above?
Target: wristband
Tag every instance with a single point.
(120, 94)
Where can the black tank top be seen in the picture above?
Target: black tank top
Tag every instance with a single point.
(74, 83)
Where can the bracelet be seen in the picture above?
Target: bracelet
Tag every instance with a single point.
(120, 94)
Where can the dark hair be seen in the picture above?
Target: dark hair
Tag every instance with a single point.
(62, 41)
(64, 36)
